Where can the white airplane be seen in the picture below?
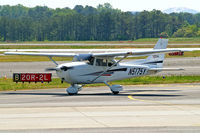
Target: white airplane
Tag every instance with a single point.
(102, 67)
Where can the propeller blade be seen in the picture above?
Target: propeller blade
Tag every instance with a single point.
(63, 68)
(51, 69)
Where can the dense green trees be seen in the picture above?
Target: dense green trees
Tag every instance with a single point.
(19, 23)
(188, 31)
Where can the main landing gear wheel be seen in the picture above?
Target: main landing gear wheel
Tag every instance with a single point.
(115, 89)
(72, 94)
(73, 90)
(115, 92)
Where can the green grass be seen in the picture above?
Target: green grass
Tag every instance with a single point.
(138, 41)
(60, 42)
(90, 47)
(8, 84)
(22, 58)
(171, 40)
(63, 47)
(160, 80)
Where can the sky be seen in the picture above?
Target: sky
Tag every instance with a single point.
(124, 5)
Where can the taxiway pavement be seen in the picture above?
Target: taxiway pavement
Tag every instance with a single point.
(139, 108)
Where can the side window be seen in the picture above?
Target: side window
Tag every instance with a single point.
(104, 63)
(110, 64)
(101, 62)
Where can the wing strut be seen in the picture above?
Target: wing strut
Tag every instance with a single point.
(53, 60)
(109, 68)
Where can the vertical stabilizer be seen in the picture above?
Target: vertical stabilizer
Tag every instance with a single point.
(161, 44)
(157, 59)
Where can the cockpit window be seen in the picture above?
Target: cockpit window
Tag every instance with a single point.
(101, 62)
(91, 61)
(104, 62)
(110, 64)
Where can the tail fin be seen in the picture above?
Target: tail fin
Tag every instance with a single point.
(157, 60)
(161, 44)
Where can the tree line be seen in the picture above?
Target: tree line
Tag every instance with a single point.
(20, 23)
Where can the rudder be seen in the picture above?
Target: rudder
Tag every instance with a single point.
(157, 59)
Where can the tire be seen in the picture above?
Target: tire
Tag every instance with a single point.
(115, 92)
(71, 94)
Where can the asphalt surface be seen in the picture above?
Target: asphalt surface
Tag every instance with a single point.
(152, 108)
(191, 66)
(139, 108)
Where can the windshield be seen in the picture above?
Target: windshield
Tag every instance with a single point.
(91, 61)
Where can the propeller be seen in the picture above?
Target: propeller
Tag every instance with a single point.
(63, 68)
(51, 69)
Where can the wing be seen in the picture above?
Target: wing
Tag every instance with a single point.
(144, 52)
(136, 52)
(89, 50)
(66, 50)
(42, 54)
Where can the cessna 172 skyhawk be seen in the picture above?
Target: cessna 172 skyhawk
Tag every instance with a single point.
(102, 67)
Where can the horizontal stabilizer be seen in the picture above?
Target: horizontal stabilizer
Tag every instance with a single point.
(166, 69)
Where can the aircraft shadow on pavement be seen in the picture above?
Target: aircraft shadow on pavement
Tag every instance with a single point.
(123, 93)
(63, 94)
